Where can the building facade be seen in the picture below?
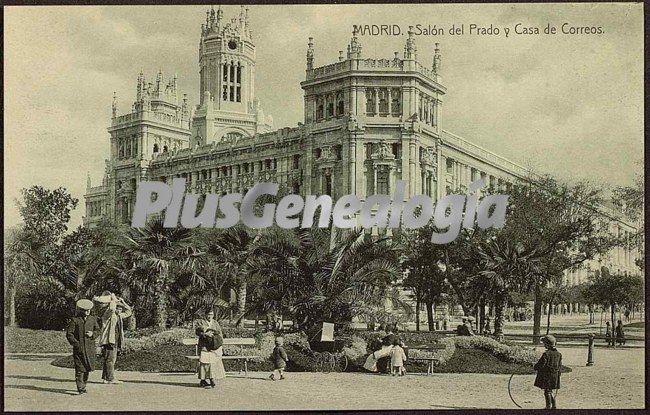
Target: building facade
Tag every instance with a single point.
(368, 122)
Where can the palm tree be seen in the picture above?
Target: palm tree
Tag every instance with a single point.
(507, 268)
(231, 251)
(158, 250)
(317, 284)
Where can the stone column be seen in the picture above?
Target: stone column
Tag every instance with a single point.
(352, 172)
(390, 102)
(376, 101)
(412, 188)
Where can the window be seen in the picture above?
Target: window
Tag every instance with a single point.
(382, 183)
(328, 185)
(395, 105)
(164, 149)
(296, 161)
(383, 101)
(317, 153)
(340, 107)
(295, 187)
(155, 148)
(397, 150)
(330, 109)
(370, 102)
(319, 111)
(450, 165)
(368, 151)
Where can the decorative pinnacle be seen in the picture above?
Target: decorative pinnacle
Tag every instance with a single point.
(310, 54)
(437, 59)
(114, 105)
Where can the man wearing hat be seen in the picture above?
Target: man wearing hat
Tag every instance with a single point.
(112, 334)
(81, 333)
(548, 370)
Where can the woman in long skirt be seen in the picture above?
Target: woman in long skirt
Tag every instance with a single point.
(210, 362)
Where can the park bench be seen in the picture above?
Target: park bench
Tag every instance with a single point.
(242, 359)
(431, 361)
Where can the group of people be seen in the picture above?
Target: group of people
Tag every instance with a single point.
(389, 357)
(618, 337)
(107, 326)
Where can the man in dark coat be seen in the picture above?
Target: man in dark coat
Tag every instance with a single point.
(81, 333)
(548, 371)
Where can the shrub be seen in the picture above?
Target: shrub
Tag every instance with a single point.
(173, 336)
(43, 304)
(358, 348)
(514, 353)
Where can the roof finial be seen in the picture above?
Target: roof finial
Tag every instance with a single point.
(354, 49)
(410, 51)
(437, 59)
(310, 54)
(114, 105)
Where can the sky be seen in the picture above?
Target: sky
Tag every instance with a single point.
(569, 105)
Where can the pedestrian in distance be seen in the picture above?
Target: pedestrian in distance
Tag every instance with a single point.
(608, 334)
(548, 371)
(620, 334)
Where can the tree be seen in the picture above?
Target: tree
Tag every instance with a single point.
(318, 284)
(31, 250)
(614, 289)
(157, 250)
(630, 200)
(560, 226)
(231, 251)
(425, 276)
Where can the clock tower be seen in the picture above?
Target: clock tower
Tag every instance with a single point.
(228, 109)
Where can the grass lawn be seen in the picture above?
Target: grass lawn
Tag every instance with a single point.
(18, 340)
(635, 325)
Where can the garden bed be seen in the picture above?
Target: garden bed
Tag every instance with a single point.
(19, 340)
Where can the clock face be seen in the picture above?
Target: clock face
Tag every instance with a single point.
(232, 45)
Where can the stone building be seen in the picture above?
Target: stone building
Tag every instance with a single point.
(368, 122)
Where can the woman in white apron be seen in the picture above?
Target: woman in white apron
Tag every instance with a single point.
(210, 353)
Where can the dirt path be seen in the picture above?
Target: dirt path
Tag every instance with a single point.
(31, 383)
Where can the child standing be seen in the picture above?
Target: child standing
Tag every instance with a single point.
(548, 371)
(397, 359)
(280, 359)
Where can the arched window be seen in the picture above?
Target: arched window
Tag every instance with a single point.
(319, 110)
(164, 149)
(383, 101)
(395, 98)
(370, 102)
(330, 109)
(155, 148)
